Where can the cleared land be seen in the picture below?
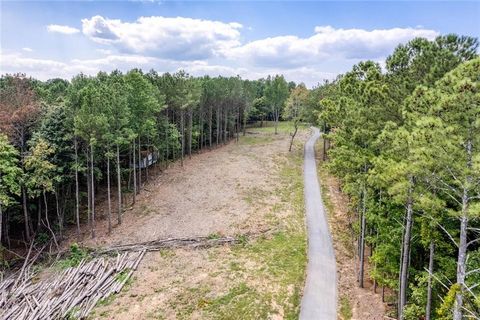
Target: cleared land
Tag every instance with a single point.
(246, 187)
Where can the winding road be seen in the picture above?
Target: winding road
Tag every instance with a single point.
(320, 295)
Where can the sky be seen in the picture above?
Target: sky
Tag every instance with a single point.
(307, 41)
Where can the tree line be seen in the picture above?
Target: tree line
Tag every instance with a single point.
(405, 144)
(65, 143)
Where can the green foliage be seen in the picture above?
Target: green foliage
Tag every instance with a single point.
(402, 137)
(10, 173)
(295, 108)
(276, 94)
(345, 309)
(444, 312)
(75, 256)
(43, 172)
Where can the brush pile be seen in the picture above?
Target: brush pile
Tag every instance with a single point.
(71, 294)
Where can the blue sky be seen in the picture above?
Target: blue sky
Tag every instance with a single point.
(306, 41)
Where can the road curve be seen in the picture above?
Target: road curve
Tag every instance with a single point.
(320, 295)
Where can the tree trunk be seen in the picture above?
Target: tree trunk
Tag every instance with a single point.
(406, 252)
(225, 127)
(1, 225)
(218, 124)
(428, 310)
(462, 257)
(119, 188)
(362, 237)
(201, 129)
(237, 124)
(139, 185)
(182, 134)
(210, 115)
(167, 138)
(190, 125)
(462, 247)
(39, 214)
(89, 194)
(59, 216)
(277, 116)
(25, 213)
(244, 122)
(147, 161)
(134, 174)
(109, 197)
(93, 190)
(47, 220)
(77, 191)
(293, 137)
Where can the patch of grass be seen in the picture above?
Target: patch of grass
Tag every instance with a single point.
(240, 302)
(167, 253)
(255, 139)
(242, 239)
(214, 236)
(255, 195)
(74, 257)
(157, 315)
(345, 309)
(269, 127)
(106, 301)
(122, 276)
(71, 315)
(189, 300)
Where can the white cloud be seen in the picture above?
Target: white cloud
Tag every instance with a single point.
(327, 42)
(62, 29)
(104, 51)
(44, 69)
(26, 49)
(173, 38)
(203, 47)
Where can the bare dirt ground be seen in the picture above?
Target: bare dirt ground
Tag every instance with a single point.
(205, 196)
(363, 304)
(230, 190)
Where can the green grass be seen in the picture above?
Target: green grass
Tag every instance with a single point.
(345, 309)
(269, 127)
(255, 139)
(214, 236)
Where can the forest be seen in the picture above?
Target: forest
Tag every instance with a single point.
(405, 143)
(403, 139)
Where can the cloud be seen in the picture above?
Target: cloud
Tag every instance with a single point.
(44, 69)
(204, 47)
(26, 49)
(170, 38)
(326, 43)
(104, 51)
(62, 29)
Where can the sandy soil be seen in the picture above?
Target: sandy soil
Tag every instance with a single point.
(365, 304)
